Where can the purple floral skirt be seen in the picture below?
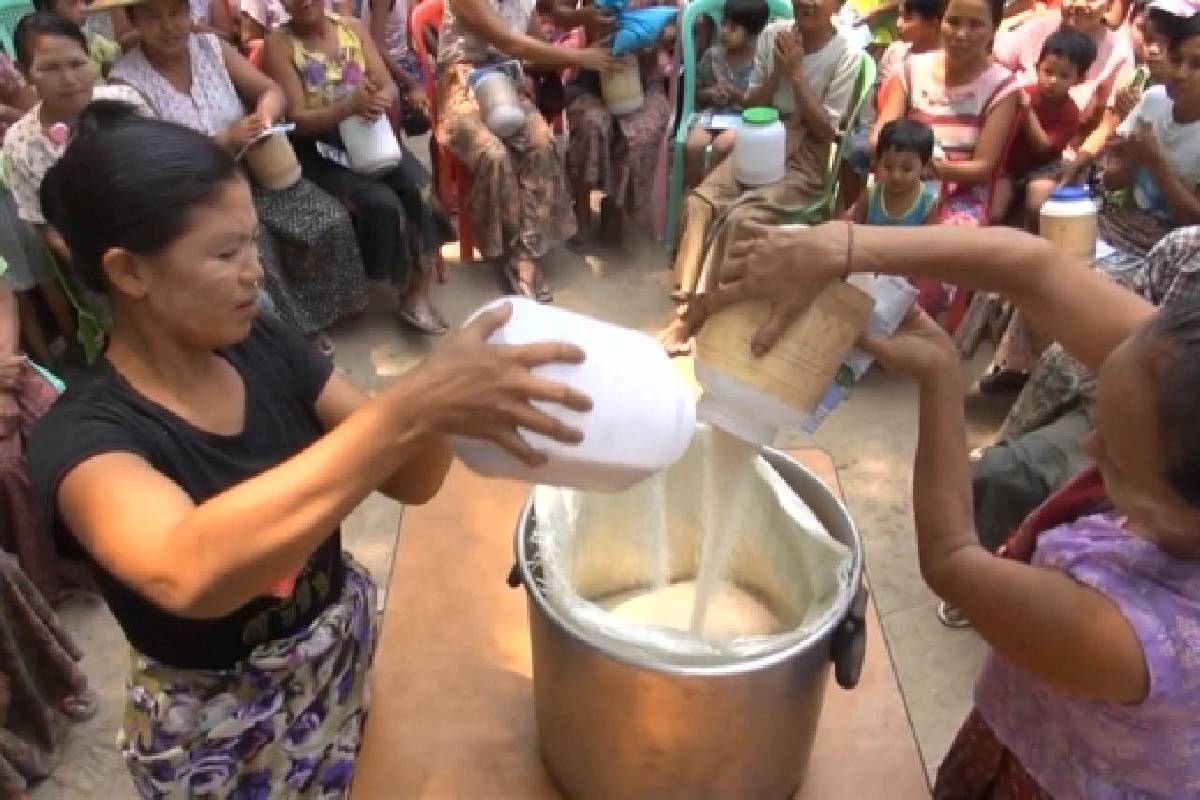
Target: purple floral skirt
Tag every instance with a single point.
(287, 722)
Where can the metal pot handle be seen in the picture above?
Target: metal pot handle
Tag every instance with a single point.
(849, 647)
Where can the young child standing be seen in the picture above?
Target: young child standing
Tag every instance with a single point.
(900, 196)
(1050, 119)
(722, 81)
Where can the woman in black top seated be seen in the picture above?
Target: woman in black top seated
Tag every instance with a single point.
(205, 465)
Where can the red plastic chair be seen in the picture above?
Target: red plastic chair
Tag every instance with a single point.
(451, 178)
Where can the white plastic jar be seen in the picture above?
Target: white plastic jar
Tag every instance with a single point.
(760, 149)
(621, 89)
(371, 145)
(642, 418)
(1069, 218)
(499, 104)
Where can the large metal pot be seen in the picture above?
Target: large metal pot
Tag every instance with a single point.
(619, 728)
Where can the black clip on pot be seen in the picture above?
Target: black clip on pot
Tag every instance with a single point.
(848, 649)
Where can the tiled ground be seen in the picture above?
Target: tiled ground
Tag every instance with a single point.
(871, 439)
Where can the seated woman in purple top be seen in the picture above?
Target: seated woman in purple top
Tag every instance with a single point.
(1092, 611)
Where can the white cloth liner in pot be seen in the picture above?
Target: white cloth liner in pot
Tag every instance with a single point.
(594, 545)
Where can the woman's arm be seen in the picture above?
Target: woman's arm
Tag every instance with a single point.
(477, 15)
(251, 30)
(1066, 634)
(811, 109)
(196, 560)
(255, 88)
(378, 74)
(127, 35)
(416, 480)
(979, 169)
(309, 121)
(1060, 294)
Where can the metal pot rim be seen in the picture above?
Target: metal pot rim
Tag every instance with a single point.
(825, 630)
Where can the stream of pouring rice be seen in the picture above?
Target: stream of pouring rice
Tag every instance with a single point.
(711, 607)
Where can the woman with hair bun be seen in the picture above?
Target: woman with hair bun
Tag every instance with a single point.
(204, 466)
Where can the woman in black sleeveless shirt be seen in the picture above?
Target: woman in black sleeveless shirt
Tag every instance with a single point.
(204, 465)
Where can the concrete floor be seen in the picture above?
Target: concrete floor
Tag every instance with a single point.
(871, 438)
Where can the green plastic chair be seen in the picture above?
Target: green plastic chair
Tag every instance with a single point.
(11, 12)
(779, 9)
(91, 320)
(825, 208)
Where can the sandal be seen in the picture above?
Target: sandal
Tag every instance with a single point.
(951, 616)
(425, 326)
(1001, 381)
(81, 707)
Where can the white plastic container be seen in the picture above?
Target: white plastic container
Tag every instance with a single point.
(1069, 218)
(754, 397)
(642, 417)
(760, 150)
(371, 145)
(622, 90)
(498, 103)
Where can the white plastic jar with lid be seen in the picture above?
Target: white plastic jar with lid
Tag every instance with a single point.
(499, 104)
(1070, 219)
(642, 418)
(371, 145)
(753, 398)
(760, 149)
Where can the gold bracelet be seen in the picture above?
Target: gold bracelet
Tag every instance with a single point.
(849, 250)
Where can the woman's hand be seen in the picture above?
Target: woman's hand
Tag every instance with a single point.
(418, 100)
(1139, 148)
(598, 59)
(1126, 99)
(784, 267)
(367, 102)
(244, 131)
(789, 53)
(919, 349)
(12, 369)
(485, 391)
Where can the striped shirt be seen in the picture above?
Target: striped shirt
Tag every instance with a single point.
(955, 113)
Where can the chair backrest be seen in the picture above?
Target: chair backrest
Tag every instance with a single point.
(867, 71)
(11, 12)
(424, 26)
(779, 9)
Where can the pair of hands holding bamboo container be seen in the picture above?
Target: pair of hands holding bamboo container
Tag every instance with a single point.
(786, 268)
